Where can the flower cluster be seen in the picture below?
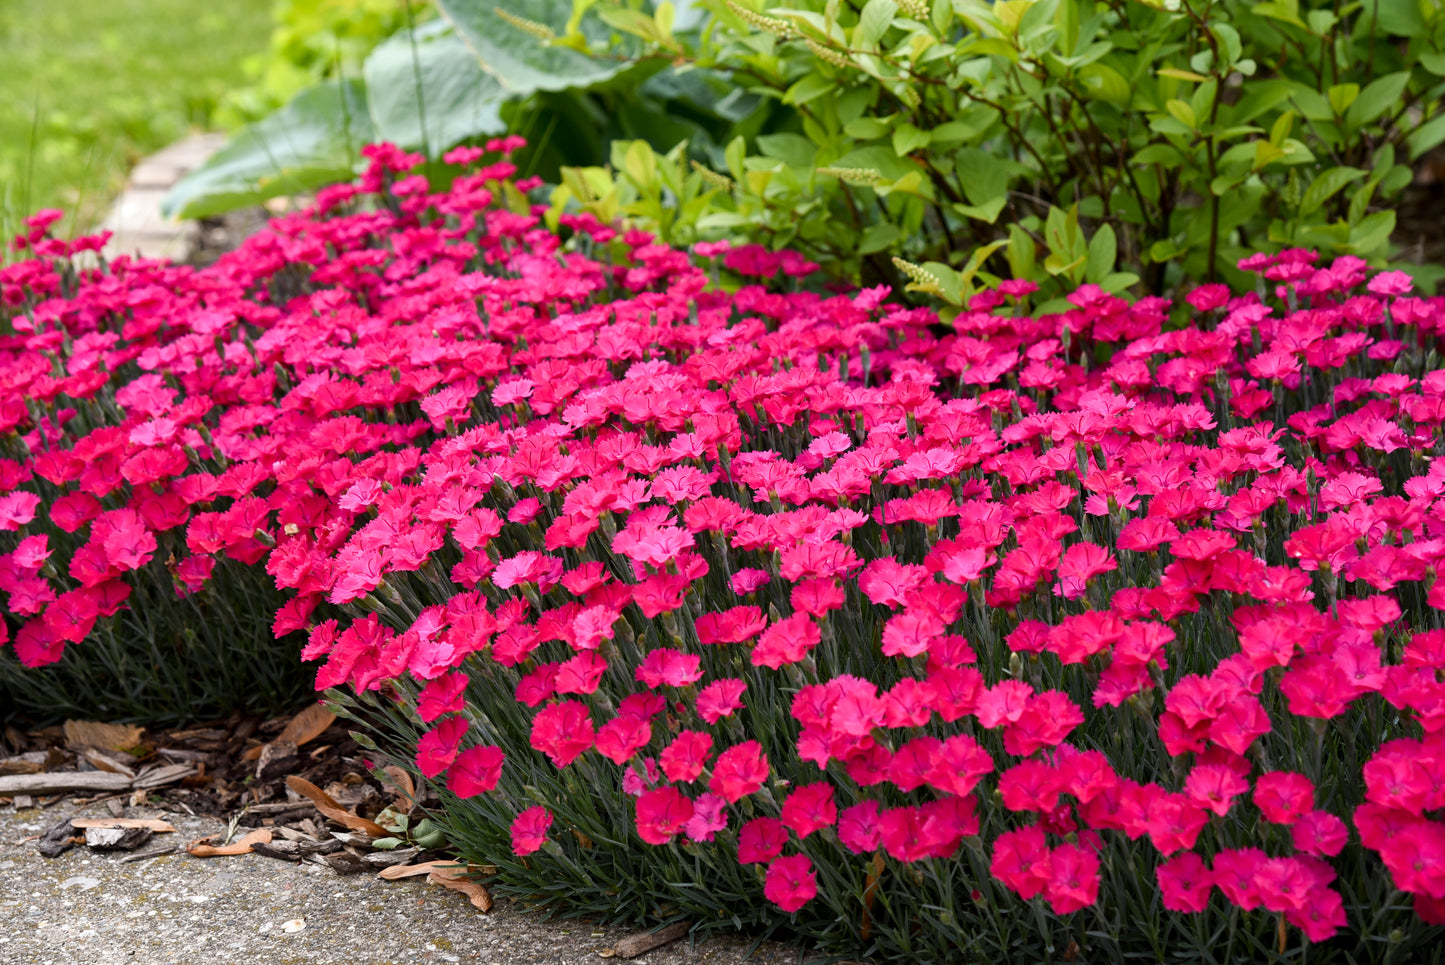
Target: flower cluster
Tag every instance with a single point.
(814, 580)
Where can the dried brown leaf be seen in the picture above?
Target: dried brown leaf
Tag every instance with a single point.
(642, 942)
(396, 872)
(475, 891)
(200, 849)
(401, 781)
(332, 810)
(151, 824)
(89, 733)
(306, 726)
(102, 761)
(870, 894)
(31, 763)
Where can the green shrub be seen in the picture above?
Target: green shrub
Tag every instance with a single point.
(314, 41)
(565, 78)
(1168, 139)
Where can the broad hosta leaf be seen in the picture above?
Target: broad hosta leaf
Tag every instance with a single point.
(314, 140)
(521, 61)
(429, 77)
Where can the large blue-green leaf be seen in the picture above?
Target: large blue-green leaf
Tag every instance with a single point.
(314, 140)
(503, 36)
(426, 90)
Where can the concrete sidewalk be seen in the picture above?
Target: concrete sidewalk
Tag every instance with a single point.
(89, 908)
(135, 217)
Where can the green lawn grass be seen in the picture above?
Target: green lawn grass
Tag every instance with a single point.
(88, 87)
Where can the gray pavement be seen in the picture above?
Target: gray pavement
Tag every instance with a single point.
(90, 908)
(135, 217)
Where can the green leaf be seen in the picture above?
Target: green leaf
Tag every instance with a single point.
(1426, 136)
(1164, 250)
(880, 157)
(1384, 160)
(631, 21)
(1379, 97)
(1106, 83)
(1179, 74)
(1165, 154)
(1434, 62)
(866, 129)
(1360, 203)
(959, 130)
(1342, 96)
(1321, 22)
(1402, 18)
(907, 139)
(1225, 183)
(1061, 230)
(521, 62)
(1055, 265)
(1022, 253)
(1118, 281)
(1286, 11)
(1265, 153)
(882, 235)
(1281, 128)
(734, 154)
(794, 150)
(1326, 186)
(1259, 97)
(1398, 178)
(723, 219)
(1311, 104)
(1183, 113)
(1372, 234)
(1229, 37)
(664, 18)
(1295, 152)
(810, 87)
(985, 178)
(574, 19)
(1103, 250)
(987, 211)
(313, 141)
(975, 262)
(910, 183)
(951, 285)
(429, 77)
(874, 21)
(1202, 100)
(640, 166)
(977, 46)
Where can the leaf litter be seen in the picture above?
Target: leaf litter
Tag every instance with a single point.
(322, 804)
